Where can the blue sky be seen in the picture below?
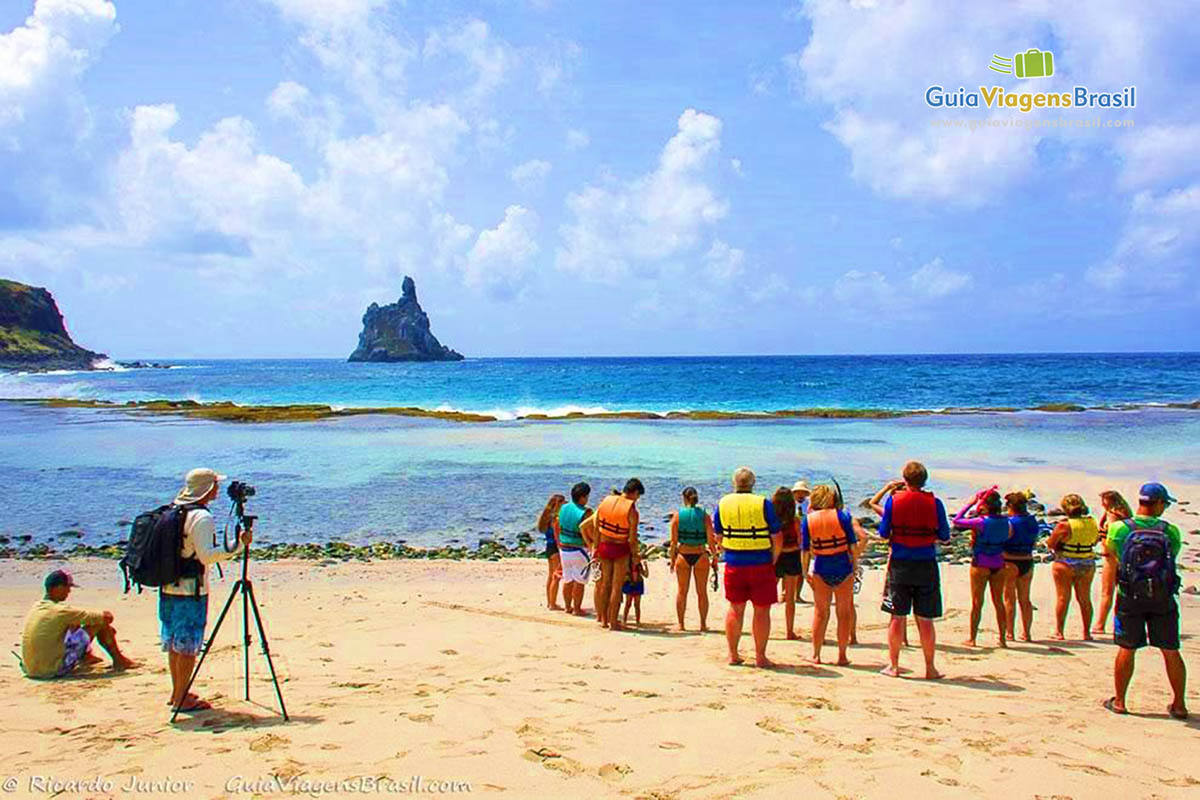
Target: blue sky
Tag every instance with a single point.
(244, 178)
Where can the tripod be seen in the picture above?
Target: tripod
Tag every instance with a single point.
(246, 589)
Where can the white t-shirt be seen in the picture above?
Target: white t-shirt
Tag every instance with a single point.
(200, 542)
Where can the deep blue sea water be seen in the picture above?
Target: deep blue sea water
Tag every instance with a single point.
(507, 387)
(431, 482)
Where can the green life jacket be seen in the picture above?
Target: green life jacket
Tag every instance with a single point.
(691, 529)
(569, 518)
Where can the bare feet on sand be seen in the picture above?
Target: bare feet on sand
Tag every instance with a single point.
(969, 643)
(843, 662)
(123, 663)
(793, 637)
(932, 674)
(735, 660)
(890, 671)
(762, 662)
(1058, 637)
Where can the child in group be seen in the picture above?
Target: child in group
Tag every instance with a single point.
(633, 589)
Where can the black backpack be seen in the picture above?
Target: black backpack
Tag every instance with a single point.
(1146, 572)
(154, 552)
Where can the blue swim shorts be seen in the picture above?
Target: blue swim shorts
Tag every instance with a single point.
(181, 622)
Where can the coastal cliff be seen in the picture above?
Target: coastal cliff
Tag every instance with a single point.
(400, 332)
(32, 333)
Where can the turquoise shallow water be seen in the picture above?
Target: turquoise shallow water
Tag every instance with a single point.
(429, 483)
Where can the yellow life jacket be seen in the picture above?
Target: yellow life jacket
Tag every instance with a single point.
(612, 517)
(825, 534)
(1081, 541)
(743, 523)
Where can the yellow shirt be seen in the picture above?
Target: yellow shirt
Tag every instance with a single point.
(45, 627)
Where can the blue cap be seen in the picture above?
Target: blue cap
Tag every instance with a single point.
(1154, 492)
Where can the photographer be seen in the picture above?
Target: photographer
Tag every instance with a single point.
(183, 605)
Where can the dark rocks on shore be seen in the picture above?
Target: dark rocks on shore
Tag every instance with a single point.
(400, 332)
(33, 335)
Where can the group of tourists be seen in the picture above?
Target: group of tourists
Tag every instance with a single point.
(773, 546)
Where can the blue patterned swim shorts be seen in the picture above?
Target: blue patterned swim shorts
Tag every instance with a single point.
(182, 619)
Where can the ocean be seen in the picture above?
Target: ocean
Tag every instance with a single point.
(76, 474)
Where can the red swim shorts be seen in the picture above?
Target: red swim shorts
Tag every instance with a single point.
(611, 550)
(754, 583)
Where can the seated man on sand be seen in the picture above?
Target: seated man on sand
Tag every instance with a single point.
(57, 638)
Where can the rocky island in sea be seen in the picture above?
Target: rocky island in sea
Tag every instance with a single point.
(33, 335)
(400, 332)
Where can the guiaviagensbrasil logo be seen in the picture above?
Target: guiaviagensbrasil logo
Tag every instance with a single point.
(1033, 63)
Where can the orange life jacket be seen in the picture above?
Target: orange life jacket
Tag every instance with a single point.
(914, 521)
(826, 536)
(612, 517)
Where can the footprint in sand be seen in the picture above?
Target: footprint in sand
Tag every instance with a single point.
(1088, 768)
(419, 717)
(288, 770)
(771, 725)
(268, 742)
(670, 745)
(614, 771)
(639, 693)
(821, 703)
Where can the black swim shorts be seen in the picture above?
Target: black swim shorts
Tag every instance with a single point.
(1132, 626)
(913, 587)
(788, 564)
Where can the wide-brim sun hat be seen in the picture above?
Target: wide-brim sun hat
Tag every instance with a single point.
(197, 484)
(801, 486)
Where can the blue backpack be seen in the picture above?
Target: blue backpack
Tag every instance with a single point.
(1146, 572)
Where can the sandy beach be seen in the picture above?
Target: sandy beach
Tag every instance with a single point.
(452, 671)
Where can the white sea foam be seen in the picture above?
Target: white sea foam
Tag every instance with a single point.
(108, 365)
(25, 385)
(508, 414)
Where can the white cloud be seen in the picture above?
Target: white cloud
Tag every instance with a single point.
(486, 60)
(577, 139)
(499, 259)
(906, 297)
(619, 226)
(555, 64)
(1159, 245)
(933, 280)
(735, 164)
(350, 43)
(1155, 155)
(46, 127)
(531, 174)
(724, 263)
(221, 194)
(871, 63)
(329, 14)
